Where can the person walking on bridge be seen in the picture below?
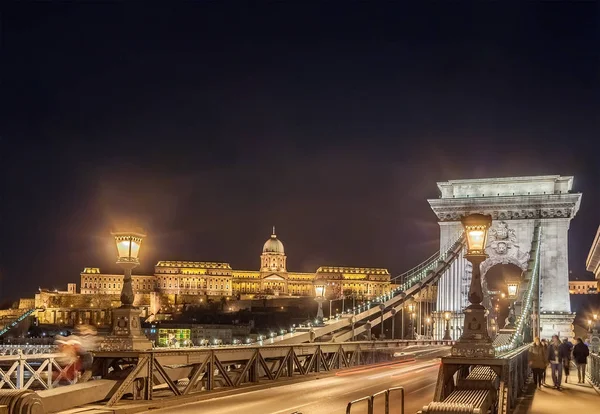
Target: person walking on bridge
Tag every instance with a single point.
(580, 354)
(555, 360)
(545, 345)
(565, 352)
(537, 361)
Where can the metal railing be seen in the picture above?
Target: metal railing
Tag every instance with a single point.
(371, 401)
(479, 385)
(27, 349)
(417, 273)
(593, 369)
(41, 371)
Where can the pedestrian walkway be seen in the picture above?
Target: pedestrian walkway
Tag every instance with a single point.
(572, 398)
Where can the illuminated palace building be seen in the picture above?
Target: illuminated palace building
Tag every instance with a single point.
(219, 279)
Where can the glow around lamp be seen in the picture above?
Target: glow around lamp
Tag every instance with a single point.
(447, 336)
(513, 290)
(126, 332)
(128, 250)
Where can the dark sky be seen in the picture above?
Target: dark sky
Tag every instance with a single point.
(209, 122)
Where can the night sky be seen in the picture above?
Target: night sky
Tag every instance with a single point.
(208, 123)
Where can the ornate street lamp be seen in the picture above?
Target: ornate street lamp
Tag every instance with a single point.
(126, 330)
(475, 340)
(447, 336)
(320, 288)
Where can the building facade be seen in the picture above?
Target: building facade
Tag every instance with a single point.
(187, 278)
(583, 287)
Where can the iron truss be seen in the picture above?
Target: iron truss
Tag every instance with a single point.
(187, 371)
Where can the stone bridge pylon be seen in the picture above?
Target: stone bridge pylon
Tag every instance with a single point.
(516, 204)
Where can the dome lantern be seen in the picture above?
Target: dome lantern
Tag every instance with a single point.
(273, 245)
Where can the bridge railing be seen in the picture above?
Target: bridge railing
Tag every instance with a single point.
(38, 371)
(593, 369)
(419, 272)
(27, 349)
(370, 401)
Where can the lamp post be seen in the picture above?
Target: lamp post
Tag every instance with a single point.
(512, 287)
(411, 333)
(427, 326)
(320, 298)
(393, 313)
(475, 340)
(381, 308)
(126, 330)
(447, 336)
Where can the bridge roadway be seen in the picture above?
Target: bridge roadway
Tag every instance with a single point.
(330, 393)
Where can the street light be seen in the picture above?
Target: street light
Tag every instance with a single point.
(475, 340)
(447, 336)
(126, 331)
(428, 324)
(320, 288)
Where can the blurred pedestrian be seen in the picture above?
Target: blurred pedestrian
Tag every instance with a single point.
(537, 361)
(580, 354)
(555, 360)
(545, 345)
(565, 355)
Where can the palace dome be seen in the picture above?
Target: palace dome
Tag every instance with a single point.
(273, 245)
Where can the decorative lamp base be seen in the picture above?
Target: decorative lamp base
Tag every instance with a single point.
(127, 334)
(473, 348)
(475, 340)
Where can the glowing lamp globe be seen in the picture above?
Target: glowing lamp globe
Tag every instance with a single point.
(476, 228)
(128, 246)
(513, 289)
(447, 316)
(319, 288)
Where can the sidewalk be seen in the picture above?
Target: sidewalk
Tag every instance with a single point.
(573, 397)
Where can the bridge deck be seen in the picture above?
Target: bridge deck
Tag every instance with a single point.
(574, 398)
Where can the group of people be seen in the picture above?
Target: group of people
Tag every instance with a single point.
(559, 356)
